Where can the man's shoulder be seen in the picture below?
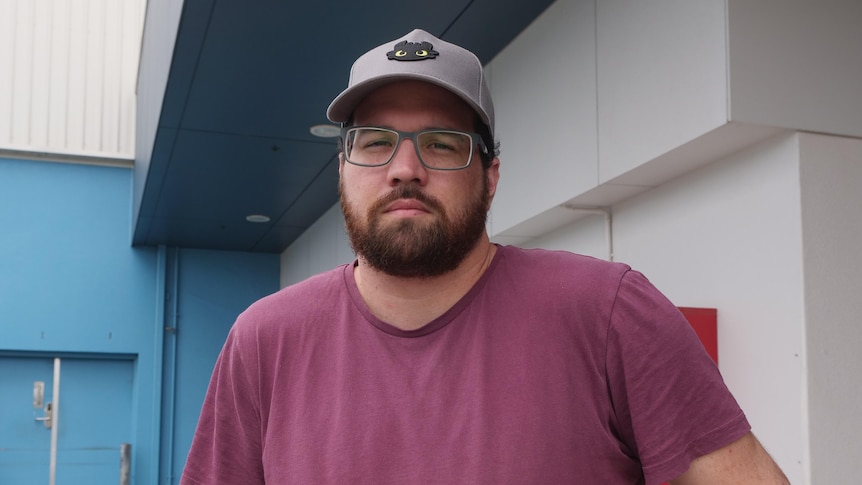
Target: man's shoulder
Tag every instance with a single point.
(538, 261)
(553, 274)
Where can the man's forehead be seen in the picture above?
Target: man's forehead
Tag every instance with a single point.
(414, 96)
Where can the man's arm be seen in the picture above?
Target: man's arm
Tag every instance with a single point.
(743, 461)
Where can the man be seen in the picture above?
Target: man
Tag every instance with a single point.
(439, 357)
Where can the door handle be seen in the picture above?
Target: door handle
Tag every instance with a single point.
(125, 463)
(48, 419)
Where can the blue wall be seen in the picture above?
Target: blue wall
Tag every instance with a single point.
(213, 288)
(70, 282)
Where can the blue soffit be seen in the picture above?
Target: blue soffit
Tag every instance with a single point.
(224, 111)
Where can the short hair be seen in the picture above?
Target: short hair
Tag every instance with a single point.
(492, 146)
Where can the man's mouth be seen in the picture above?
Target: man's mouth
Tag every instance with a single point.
(407, 207)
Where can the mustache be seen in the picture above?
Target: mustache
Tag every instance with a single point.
(407, 192)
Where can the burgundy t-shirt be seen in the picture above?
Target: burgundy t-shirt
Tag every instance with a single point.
(554, 368)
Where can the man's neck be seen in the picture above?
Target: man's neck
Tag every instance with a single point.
(411, 303)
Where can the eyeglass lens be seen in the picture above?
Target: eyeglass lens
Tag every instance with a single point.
(440, 149)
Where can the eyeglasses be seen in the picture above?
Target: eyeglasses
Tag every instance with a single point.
(370, 146)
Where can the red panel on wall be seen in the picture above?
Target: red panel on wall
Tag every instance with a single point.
(705, 324)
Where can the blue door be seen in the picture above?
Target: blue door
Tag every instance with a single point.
(74, 435)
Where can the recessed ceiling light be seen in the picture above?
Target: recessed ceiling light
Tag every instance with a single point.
(325, 131)
(259, 218)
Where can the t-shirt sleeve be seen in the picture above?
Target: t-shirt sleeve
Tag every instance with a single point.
(226, 447)
(669, 399)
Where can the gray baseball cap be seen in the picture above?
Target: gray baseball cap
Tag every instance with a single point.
(419, 56)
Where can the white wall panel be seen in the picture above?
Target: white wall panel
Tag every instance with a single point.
(661, 78)
(67, 87)
(587, 236)
(832, 232)
(797, 64)
(544, 88)
(60, 49)
(7, 34)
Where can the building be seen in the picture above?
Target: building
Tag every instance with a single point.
(714, 145)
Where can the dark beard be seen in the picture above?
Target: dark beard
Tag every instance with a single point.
(416, 249)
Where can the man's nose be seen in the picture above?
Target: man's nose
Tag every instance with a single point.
(405, 165)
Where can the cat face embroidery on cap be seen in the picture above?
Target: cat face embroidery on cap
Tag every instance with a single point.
(412, 51)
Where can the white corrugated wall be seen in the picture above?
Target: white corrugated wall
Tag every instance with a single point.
(68, 70)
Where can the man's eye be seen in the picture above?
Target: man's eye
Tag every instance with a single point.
(378, 143)
(443, 142)
(440, 146)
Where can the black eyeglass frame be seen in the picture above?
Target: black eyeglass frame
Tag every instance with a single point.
(414, 136)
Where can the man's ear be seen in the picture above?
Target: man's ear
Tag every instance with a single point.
(493, 175)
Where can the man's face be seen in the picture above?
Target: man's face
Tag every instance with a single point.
(402, 218)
